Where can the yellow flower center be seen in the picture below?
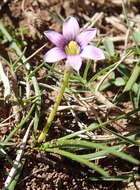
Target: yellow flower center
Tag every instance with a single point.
(72, 48)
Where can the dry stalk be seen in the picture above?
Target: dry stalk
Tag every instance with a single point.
(116, 65)
(96, 17)
(18, 158)
(116, 23)
(5, 81)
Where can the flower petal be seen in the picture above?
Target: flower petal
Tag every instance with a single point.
(91, 52)
(75, 61)
(55, 54)
(70, 28)
(56, 38)
(86, 36)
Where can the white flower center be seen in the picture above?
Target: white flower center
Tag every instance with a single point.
(72, 48)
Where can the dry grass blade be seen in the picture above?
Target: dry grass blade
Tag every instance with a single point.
(116, 65)
(5, 81)
(18, 158)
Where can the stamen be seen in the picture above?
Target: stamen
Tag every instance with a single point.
(72, 48)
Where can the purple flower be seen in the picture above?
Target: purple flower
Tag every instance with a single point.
(72, 45)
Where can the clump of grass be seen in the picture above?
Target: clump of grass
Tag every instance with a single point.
(114, 74)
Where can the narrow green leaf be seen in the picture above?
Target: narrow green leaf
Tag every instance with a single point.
(125, 139)
(124, 178)
(105, 85)
(88, 64)
(111, 75)
(123, 70)
(109, 46)
(135, 95)
(3, 144)
(137, 36)
(22, 122)
(133, 77)
(94, 156)
(94, 126)
(102, 72)
(97, 155)
(90, 145)
(78, 159)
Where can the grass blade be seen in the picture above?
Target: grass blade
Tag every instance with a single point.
(78, 159)
(109, 46)
(90, 145)
(124, 178)
(94, 126)
(133, 77)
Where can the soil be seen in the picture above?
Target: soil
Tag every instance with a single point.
(49, 171)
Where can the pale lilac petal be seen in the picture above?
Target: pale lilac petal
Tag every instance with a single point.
(55, 54)
(70, 28)
(56, 38)
(86, 36)
(91, 52)
(75, 61)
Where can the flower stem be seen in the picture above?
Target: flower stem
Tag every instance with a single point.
(57, 103)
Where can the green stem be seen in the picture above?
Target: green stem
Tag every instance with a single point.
(87, 69)
(57, 103)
